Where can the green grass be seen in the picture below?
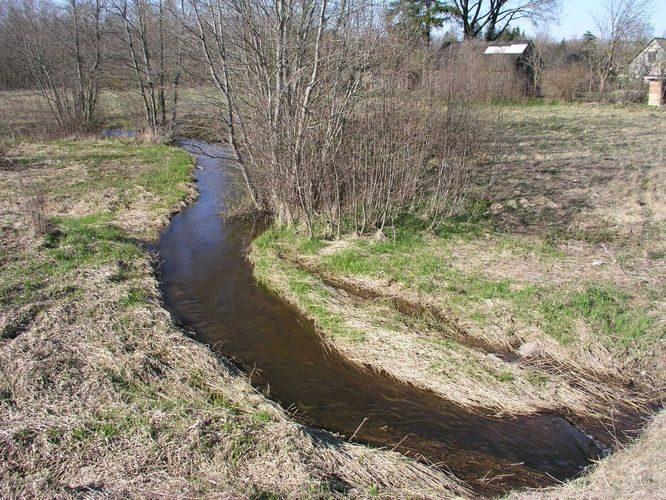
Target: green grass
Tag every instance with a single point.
(504, 376)
(420, 262)
(93, 239)
(603, 306)
(536, 378)
(528, 102)
(164, 169)
(307, 291)
(312, 296)
(75, 242)
(218, 400)
(240, 446)
(111, 424)
(135, 296)
(526, 246)
(262, 416)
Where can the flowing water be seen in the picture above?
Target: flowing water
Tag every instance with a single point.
(208, 286)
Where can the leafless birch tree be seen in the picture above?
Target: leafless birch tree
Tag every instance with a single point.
(151, 44)
(326, 126)
(61, 45)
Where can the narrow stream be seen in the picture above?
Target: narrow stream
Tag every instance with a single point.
(208, 286)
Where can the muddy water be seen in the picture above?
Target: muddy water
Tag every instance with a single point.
(208, 286)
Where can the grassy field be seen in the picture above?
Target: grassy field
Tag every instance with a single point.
(100, 394)
(549, 295)
(26, 114)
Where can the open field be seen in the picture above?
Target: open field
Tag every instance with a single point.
(549, 295)
(26, 114)
(100, 394)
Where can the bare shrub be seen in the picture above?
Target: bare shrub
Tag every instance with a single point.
(24, 113)
(384, 158)
(148, 55)
(465, 68)
(620, 22)
(331, 121)
(156, 135)
(626, 96)
(35, 205)
(60, 46)
(457, 173)
(565, 82)
(328, 114)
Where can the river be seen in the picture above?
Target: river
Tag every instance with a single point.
(208, 286)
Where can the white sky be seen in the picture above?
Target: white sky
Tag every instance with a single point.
(577, 16)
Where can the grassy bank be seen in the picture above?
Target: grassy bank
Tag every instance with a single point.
(549, 296)
(100, 394)
(635, 471)
(408, 306)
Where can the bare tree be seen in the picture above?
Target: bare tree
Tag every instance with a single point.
(542, 59)
(317, 100)
(621, 22)
(491, 18)
(566, 81)
(288, 73)
(152, 47)
(326, 125)
(61, 46)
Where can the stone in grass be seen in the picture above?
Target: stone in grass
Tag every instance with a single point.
(528, 349)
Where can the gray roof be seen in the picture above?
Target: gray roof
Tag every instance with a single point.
(659, 41)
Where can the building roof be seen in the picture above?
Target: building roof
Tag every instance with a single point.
(661, 42)
(512, 47)
(511, 51)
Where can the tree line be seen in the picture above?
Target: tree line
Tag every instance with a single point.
(335, 115)
(327, 124)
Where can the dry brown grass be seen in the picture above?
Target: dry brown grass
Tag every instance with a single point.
(594, 169)
(22, 113)
(118, 402)
(26, 114)
(101, 396)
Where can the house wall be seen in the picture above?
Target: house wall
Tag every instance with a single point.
(656, 93)
(650, 62)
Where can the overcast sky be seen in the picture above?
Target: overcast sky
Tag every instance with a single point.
(578, 17)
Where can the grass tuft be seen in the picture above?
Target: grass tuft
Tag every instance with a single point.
(604, 306)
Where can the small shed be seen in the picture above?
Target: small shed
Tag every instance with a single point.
(650, 65)
(511, 62)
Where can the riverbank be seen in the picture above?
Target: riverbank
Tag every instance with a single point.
(547, 297)
(99, 392)
(636, 471)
